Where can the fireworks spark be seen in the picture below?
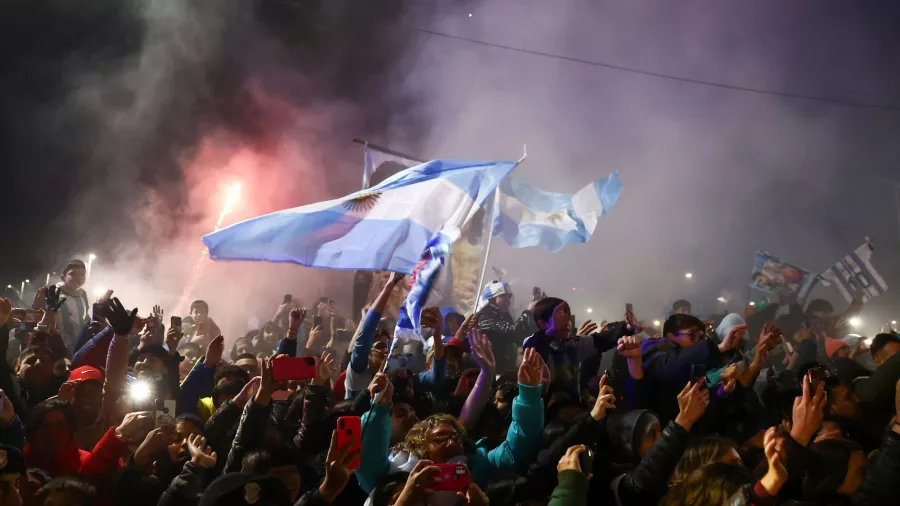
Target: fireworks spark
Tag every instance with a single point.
(232, 196)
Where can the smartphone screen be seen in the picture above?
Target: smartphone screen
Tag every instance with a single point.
(349, 431)
(294, 368)
(175, 323)
(287, 298)
(698, 373)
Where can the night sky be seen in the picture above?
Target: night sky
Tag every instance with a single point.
(118, 118)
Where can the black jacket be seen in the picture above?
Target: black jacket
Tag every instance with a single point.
(503, 332)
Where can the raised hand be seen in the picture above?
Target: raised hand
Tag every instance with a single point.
(119, 318)
(296, 319)
(66, 393)
(105, 298)
(7, 412)
(531, 369)
(471, 322)
(482, 352)
(157, 440)
(423, 476)
(53, 299)
(587, 328)
(692, 403)
(571, 461)
(473, 496)
(268, 385)
(551, 327)
(395, 278)
(606, 400)
(733, 338)
(247, 393)
(381, 383)
(337, 474)
(776, 476)
(770, 337)
(134, 424)
(214, 351)
(173, 337)
(5, 311)
(323, 369)
(808, 412)
(628, 347)
(201, 454)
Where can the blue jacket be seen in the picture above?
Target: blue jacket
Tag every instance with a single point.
(523, 441)
(199, 383)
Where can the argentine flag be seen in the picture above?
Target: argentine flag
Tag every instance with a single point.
(423, 278)
(385, 227)
(526, 216)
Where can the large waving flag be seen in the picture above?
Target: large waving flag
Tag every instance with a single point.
(526, 216)
(423, 278)
(382, 228)
(856, 271)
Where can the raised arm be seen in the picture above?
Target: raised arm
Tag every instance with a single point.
(483, 354)
(376, 436)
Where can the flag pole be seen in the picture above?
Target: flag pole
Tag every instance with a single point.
(897, 203)
(487, 250)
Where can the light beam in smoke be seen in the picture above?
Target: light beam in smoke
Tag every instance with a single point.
(232, 197)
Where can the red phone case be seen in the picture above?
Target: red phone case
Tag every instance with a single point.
(454, 477)
(349, 431)
(293, 368)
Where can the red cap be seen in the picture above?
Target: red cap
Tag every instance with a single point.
(85, 373)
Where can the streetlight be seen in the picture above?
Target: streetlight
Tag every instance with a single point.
(752, 303)
(893, 322)
(656, 323)
(855, 322)
(590, 310)
(723, 300)
(688, 275)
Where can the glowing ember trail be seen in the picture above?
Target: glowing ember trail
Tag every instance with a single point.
(231, 199)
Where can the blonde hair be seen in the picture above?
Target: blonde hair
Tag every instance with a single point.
(416, 440)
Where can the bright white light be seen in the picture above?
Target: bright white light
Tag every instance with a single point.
(893, 322)
(723, 300)
(139, 391)
(8, 286)
(590, 310)
(752, 303)
(92, 257)
(868, 341)
(656, 323)
(688, 275)
(470, 14)
(99, 292)
(28, 281)
(855, 322)
(232, 197)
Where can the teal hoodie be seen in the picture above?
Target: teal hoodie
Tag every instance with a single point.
(523, 441)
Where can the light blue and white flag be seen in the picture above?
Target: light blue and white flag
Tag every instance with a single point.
(377, 160)
(855, 270)
(381, 228)
(526, 216)
(423, 278)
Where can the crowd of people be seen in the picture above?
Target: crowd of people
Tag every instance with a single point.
(103, 404)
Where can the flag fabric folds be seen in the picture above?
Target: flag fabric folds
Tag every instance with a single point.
(382, 228)
(774, 276)
(423, 278)
(856, 269)
(526, 216)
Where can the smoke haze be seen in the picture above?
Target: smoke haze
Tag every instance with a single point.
(124, 122)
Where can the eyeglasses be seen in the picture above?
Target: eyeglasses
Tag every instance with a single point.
(442, 439)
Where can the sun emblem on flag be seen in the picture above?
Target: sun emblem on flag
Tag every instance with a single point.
(556, 217)
(362, 202)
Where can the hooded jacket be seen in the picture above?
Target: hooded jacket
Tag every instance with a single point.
(522, 442)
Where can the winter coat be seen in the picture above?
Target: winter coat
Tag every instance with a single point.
(505, 333)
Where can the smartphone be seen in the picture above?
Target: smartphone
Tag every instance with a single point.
(164, 413)
(629, 308)
(536, 293)
(586, 461)
(789, 347)
(698, 373)
(175, 323)
(294, 368)
(287, 298)
(33, 316)
(816, 375)
(349, 431)
(454, 477)
(97, 312)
